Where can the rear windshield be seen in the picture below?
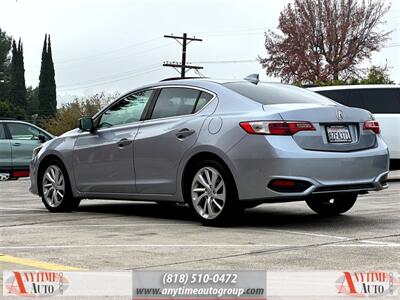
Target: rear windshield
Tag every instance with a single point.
(275, 93)
(376, 100)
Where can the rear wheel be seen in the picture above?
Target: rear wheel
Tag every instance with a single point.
(332, 205)
(56, 188)
(211, 193)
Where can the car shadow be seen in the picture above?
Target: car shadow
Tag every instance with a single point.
(281, 216)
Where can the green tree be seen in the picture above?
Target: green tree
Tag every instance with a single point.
(47, 83)
(374, 75)
(32, 97)
(17, 85)
(5, 47)
(377, 75)
(7, 110)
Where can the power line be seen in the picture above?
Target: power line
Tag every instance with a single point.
(109, 77)
(238, 61)
(111, 51)
(182, 65)
(110, 81)
(100, 54)
(116, 58)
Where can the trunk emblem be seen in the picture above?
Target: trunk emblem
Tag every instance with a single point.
(339, 114)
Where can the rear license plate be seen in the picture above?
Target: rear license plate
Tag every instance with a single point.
(338, 134)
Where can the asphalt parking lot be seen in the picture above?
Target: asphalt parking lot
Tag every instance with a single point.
(120, 235)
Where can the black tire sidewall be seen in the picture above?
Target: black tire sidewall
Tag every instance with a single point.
(231, 207)
(68, 203)
(342, 204)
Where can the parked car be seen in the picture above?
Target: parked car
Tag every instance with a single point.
(219, 146)
(17, 141)
(382, 100)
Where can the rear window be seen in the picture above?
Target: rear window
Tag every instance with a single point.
(379, 101)
(275, 93)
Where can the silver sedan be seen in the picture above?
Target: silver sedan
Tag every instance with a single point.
(219, 146)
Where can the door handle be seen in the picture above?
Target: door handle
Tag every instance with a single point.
(123, 142)
(17, 144)
(183, 133)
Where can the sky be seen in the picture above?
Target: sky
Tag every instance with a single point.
(118, 45)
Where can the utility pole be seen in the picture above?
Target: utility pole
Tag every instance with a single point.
(183, 66)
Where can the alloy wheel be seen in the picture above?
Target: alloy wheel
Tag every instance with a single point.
(208, 193)
(53, 186)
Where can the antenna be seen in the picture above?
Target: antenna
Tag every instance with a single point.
(253, 78)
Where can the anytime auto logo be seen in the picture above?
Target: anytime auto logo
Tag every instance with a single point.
(368, 284)
(35, 284)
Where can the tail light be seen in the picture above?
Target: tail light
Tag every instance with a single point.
(20, 173)
(276, 127)
(373, 126)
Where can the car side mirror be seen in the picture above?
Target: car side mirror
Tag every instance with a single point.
(86, 124)
(41, 138)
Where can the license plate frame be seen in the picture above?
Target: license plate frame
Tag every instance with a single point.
(338, 134)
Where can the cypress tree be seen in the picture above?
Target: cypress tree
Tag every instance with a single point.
(18, 88)
(13, 72)
(47, 84)
(5, 48)
(22, 103)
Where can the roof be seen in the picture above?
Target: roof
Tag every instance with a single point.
(353, 87)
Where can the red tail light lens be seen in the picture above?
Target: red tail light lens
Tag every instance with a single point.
(276, 127)
(373, 126)
(20, 173)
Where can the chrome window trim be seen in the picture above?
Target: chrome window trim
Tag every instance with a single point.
(188, 87)
(101, 112)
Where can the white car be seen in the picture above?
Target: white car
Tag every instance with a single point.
(380, 99)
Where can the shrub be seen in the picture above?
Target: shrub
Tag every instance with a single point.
(67, 116)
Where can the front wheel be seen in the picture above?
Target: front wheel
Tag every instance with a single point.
(332, 205)
(56, 189)
(212, 192)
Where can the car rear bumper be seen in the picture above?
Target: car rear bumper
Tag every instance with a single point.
(259, 159)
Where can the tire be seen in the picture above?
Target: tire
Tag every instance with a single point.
(332, 205)
(56, 188)
(213, 197)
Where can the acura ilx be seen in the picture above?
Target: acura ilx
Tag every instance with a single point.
(218, 146)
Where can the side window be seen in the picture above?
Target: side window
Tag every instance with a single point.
(384, 101)
(339, 96)
(356, 99)
(202, 101)
(2, 132)
(175, 102)
(127, 110)
(20, 131)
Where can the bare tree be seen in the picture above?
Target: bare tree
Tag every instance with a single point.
(324, 40)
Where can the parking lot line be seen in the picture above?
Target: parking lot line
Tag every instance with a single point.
(146, 246)
(307, 233)
(36, 263)
(96, 225)
(22, 208)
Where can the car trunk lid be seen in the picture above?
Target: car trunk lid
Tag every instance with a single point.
(338, 128)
